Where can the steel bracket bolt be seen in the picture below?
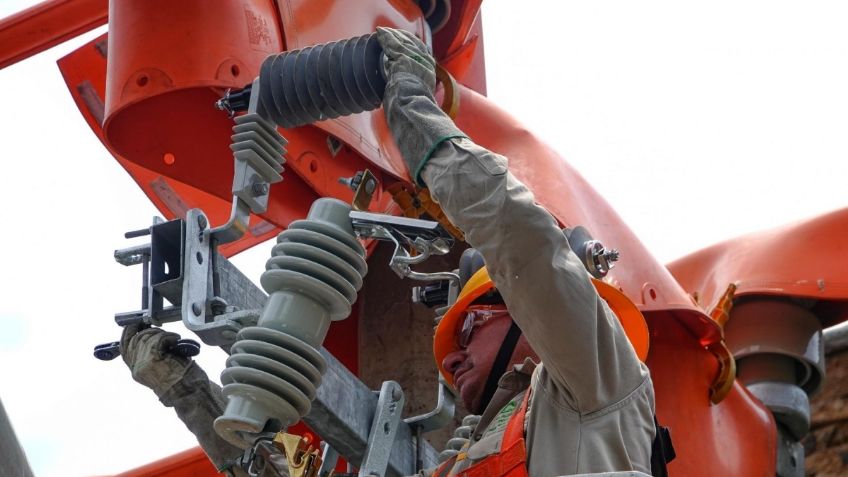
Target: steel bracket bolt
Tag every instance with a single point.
(260, 188)
(598, 260)
(202, 222)
(196, 308)
(352, 182)
(370, 186)
(611, 256)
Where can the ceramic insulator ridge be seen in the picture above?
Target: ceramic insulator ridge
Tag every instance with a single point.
(312, 278)
(257, 142)
(321, 82)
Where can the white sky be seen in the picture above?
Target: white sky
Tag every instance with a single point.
(697, 122)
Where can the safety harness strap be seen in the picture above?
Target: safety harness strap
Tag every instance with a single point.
(501, 363)
(662, 451)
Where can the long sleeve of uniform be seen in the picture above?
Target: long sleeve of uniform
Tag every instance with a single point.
(548, 292)
(198, 402)
(591, 404)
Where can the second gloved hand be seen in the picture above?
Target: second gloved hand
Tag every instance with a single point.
(180, 383)
(147, 354)
(416, 121)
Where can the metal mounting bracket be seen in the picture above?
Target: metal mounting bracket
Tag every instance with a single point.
(181, 265)
(383, 430)
(204, 311)
(161, 261)
(440, 416)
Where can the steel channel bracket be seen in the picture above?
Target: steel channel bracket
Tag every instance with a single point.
(383, 430)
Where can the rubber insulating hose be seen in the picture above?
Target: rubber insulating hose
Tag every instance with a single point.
(322, 82)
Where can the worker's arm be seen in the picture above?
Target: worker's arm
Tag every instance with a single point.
(546, 288)
(179, 383)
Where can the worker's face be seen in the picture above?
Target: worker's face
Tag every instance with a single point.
(472, 364)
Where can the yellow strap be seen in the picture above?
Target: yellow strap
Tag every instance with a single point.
(416, 202)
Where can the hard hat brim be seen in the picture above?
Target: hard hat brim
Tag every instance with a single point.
(445, 339)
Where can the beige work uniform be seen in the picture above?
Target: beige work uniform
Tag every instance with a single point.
(592, 401)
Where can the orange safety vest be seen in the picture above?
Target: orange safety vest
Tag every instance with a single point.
(511, 461)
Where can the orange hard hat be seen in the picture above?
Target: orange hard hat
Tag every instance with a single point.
(447, 332)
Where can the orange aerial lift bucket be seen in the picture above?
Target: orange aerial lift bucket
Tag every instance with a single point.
(168, 62)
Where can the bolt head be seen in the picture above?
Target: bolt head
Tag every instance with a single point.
(196, 308)
(260, 189)
(370, 186)
(202, 222)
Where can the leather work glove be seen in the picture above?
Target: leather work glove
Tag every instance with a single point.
(405, 53)
(180, 383)
(416, 121)
(146, 354)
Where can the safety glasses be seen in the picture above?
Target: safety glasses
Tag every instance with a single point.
(477, 317)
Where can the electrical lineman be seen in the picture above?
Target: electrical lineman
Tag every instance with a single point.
(590, 406)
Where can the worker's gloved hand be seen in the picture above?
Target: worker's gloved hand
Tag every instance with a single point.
(405, 53)
(181, 384)
(416, 121)
(147, 354)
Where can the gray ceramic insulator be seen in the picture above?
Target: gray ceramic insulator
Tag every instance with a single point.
(312, 279)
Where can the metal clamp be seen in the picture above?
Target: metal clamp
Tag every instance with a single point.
(180, 265)
(424, 236)
(363, 184)
(203, 311)
(280, 455)
(258, 151)
(161, 261)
